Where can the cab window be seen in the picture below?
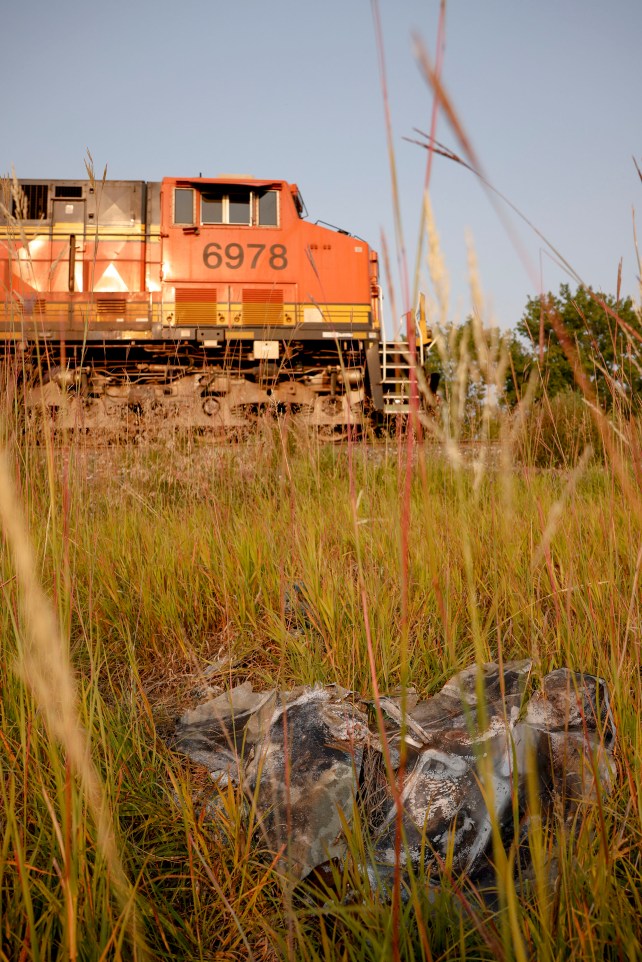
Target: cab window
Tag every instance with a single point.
(267, 209)
(212, 207)
(226, 204)
(183, 205)
(238, 205)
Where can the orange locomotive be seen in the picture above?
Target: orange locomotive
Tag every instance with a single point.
(202, 301)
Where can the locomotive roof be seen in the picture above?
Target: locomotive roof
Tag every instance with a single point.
(244, 181)
(223, 179)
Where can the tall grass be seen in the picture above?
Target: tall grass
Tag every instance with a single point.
(155, 558)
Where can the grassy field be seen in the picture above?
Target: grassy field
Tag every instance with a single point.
(134, 567)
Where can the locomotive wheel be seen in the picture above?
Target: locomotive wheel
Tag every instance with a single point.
(332, 432)
(211, 406)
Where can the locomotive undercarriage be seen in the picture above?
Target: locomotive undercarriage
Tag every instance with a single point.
(113, 392)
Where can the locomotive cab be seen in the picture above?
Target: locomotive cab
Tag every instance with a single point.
(237, 255)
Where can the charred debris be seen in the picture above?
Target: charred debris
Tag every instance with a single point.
(464, 762)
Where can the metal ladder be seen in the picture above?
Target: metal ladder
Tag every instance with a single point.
(395, 376)
(396, 364)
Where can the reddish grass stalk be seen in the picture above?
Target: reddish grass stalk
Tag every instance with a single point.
(414, 429)
(401, 247)
(439, 59)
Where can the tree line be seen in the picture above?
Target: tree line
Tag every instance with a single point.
(584, 341)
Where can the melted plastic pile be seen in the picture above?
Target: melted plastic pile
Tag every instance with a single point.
(473, 752)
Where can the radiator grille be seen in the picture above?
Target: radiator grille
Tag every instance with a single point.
(195, 305)
(111, 308)
(34, 307)
(32, 202)
(263, 308)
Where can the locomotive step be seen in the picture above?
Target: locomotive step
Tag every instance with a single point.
(388, 398)
(401, 398)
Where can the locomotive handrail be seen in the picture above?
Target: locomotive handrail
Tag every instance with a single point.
(339, 230)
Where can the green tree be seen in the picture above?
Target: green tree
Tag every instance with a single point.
(479, 367)
(600, 331)
(520, 366)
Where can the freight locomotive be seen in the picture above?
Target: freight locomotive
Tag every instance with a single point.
(200, 302)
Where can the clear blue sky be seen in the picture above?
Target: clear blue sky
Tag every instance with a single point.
(549, 92)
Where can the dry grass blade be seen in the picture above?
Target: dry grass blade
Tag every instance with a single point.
(45, 668)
